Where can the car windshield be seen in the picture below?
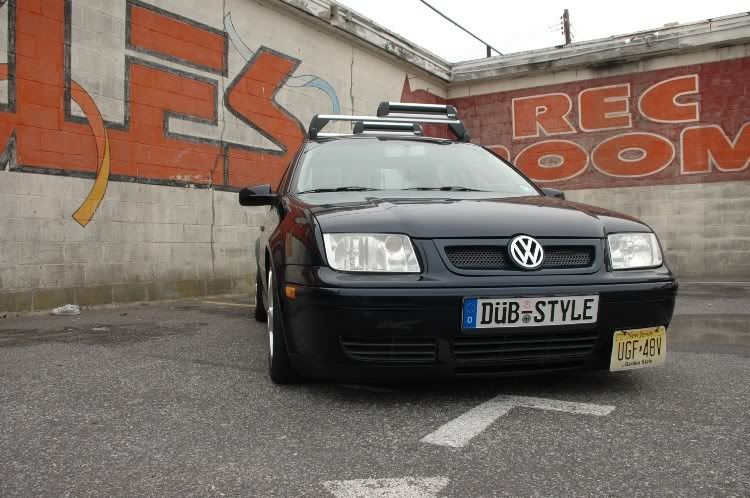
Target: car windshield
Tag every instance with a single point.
(407, 165)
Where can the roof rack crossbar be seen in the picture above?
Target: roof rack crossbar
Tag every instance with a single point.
(396, 112)
(319, 121)
(404, 109)
(417, 119)
(389, 127)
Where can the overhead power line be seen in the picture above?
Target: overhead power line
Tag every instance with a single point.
(489, 47)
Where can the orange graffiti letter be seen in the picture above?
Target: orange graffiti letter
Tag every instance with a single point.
(251, 98)
(705, 146)
(546, 113)
(604, 108)
(148, 149)
(552, 160)
(659, 102)
(633, 154)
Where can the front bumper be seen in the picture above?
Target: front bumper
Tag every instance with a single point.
(320, 319)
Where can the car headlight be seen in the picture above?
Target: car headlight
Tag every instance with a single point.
(634, 250)
(371, 252)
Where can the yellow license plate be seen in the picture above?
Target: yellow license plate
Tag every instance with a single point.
(638, 348)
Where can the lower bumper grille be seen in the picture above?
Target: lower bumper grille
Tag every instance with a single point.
(525, 346)
(533, 367)
(390, 349)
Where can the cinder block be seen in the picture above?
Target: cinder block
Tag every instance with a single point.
(7, 185)
(103, 273)
(39, 207)
(37, 254)
(734, 217)
(62, 275)
(230, 234)
(46, 299)
(94, 295)
(109, 232)
(739, 244)
(125, 293)
(17, 301)
(20, 230)
(164, 232)
(218, 286)
(162, 290)
(162, 251)
(190, 288)
(197, 233)
(244, 284)
(21, 277)
(113, 9)
(140, 271)
(82, 252)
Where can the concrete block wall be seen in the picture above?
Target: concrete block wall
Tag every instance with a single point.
(149, 242)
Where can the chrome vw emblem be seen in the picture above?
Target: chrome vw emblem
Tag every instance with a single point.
(526, 252)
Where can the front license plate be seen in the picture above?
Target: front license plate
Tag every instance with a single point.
(638, 348)
(480, 313)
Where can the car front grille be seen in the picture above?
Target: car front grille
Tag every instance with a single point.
(525, 345)
(390, 349)
(495, 257)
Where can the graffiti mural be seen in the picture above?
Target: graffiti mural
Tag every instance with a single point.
(306, 80)
(41, 132)
(681, 125)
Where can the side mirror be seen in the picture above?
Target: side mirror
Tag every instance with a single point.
(553, 192)
(260, 195)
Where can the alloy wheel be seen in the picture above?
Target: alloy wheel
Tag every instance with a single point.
(269, 313)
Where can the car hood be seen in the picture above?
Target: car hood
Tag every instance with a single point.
(467, 217)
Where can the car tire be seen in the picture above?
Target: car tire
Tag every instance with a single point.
(279, 367)
(260, 308)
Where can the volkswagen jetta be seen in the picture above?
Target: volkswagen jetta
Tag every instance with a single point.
(388, 255)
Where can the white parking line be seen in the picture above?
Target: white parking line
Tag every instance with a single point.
(465, 427)
(402, 487)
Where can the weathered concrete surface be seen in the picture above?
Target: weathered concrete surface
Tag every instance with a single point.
(173, 399)
(148, 243)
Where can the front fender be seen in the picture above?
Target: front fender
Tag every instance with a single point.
(295, 241)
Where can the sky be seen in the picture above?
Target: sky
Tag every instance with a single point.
(515, 26)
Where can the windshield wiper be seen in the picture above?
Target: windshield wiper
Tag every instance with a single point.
(447, 188)
(337, 189)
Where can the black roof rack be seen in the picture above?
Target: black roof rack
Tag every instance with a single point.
(394, 118)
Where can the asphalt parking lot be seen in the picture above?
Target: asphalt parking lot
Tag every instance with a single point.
(173, 399)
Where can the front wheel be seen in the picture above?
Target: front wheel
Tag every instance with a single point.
(260, 310)
(279, 367)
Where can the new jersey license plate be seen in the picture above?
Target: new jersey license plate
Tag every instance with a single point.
(638, 348)
(479, 313)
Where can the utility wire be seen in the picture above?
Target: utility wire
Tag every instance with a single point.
(464, 29)
(514, 40)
